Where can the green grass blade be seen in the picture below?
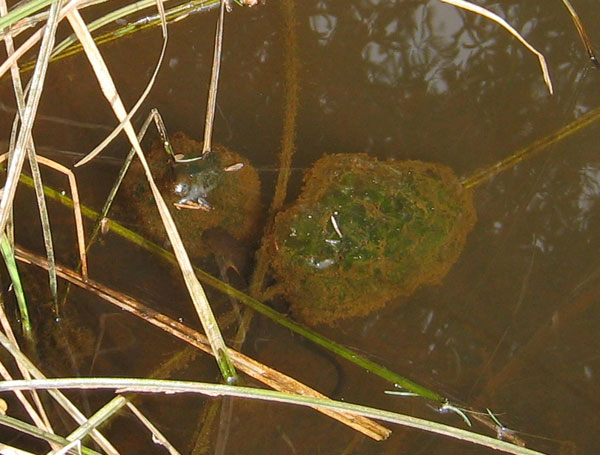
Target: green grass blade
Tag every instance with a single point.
(34, 431)
(28, 8)
(28, 117)
(9, 259)
(45, 220)
(169, 387)
(484, 174)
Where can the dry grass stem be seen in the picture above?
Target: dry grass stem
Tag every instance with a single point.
(74, 446)
(582, 33)
(76, 210)
(53, 439)
(35, 172)
(193, 285)
(120, 385)
(494, 17)
(211, 104)
(76, 206)
(10, 450)
(157, 436)
(43, 212)
(24, 144)
(111, 92)
(34, 38)
(102, 415)
(254, 369)
(41, 413)
(58, 396)
(32, 20)
(39, 416)
(28, 117)
(37, 419)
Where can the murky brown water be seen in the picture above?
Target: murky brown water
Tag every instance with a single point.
(514, 325)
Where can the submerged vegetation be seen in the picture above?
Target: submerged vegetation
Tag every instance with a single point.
(362, 232)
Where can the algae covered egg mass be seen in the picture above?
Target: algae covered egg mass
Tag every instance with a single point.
(221, 189)
(364, 231)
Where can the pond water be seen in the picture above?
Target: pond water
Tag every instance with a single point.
(513, 326)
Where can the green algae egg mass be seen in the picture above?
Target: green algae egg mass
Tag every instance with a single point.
(232, 198)
(364, 231)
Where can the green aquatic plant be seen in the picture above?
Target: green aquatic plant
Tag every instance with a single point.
(364, 231)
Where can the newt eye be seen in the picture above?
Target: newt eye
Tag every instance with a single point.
(181, 189)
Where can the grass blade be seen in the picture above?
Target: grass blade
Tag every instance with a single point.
(494, 17)
(193, 285)
(37, 83)
(33, 39)
(211, 103)
(13, 271)
(582, 33)
(34, 431)
(26, 9)
(111, 91)
(35, 171)
(168, 386)
(76, 209)
(254, 369)
(59, 397)
(70, 46)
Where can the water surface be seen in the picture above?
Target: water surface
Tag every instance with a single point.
(513, 326)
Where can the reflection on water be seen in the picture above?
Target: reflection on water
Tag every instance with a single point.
(513, 326)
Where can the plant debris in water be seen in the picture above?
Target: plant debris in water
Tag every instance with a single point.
(222, 188)
(364, 231)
